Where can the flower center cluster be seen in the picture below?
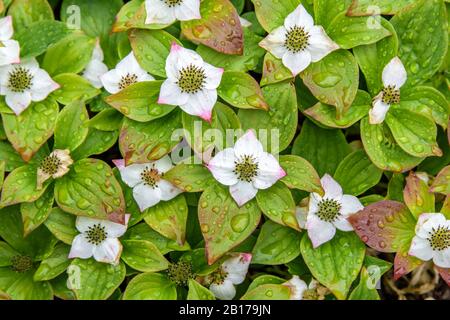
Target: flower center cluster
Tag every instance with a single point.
(391, 95)
(172, 3)
(21, 263)
(127, 80)
(218, 276)
(180, 273)
(20, 79)
(192, 79)
(296, 39)
(246, 168)
(440, 238)
(96, 234)
(50, 164)
(329, 210)
(151, 176)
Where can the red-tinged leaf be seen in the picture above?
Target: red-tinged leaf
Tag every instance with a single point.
(445, 274)
(404, 264)
(417, 196)
(385, 226)
(219, 28)
(442, 182)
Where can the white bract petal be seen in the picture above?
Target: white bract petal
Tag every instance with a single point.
(378, 111)
(81, 248)
(319, 231)
(95, 68)
(244, 22)
(299, 17)
(9, 52)
(167, 12)
(55, 165)
(296, 61)
(394, 73)
(223, 291)
(188, 10)
(332, 189)
(236, 267)
(242, 192)
(6, 28)
(108, 251)
(297, 287)
(222, 167)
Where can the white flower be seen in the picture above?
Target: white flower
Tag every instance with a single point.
(245, 168)
(329, 212)
(95, 68)
(127, 72)
(9, 49)
(394, 77)
(23, 83)
(168, 11)
(244, 22)
(432, 240)
(299, 287)
(299, 42)
(98, 238)
(146, 179)
(53, 166)
(232, 272)
(191, 83)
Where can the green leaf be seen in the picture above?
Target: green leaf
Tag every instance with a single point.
(278, 205)
(60, 290)
(20, 186)
(189, 177)
(356, 173)
(350, 32)
(364, 291)
(197, 259)
(151, 48)
(139, 101)
(386, 226)
(323, 148)
(90, 189)
(169, 218)
(96, 142)
(415, 133)
(271, 13)
(421, 53)
(383, 150)
(268, 292)
(92, 280)
(21, 286)
(62, 225)
(384, 7)
(276, 245)
(198, 292)
(334, 80)
(223, 224)
(73, 87)
(25, 12)
(326, 10)
(265, 279)
(280, 122)
(336, 263)
(219, 20)
(36, 37)
(106, 120)
(150, 286)
(417, 196)
(133, 15)
(11, 158)
(241, 90)
(2, 172)
(273, 70)
(327, 115)
(6, 254)
(69, 55)
(143, 256)
(141, 142)
(32, 128)
(54, 265)
(372, 58)
(35, 213)
(441, 183)
(71, 127)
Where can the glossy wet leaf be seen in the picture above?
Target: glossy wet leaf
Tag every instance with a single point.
(62, 225)
(271, 13)
(417, 196)
(442, 182)
(35, 213)
(189, 177)
(150, 286)
(385, 7)
(71, 126)
(73, 87)
(273, 70)
(21, 286)
(268, 292)
(199, 292)
(53, 265)
(96, 142)
(10, 157)
(143, 255)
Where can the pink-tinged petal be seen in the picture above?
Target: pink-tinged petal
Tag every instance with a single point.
(248, 145)
(320, 44)
(164, 164)
(201, 104)
(442, 258)
(224, 291)
(269, 171)
(378, 111)
(115, 230)
(6, 28)
(158, 12)
(81, 248)
(222, 167)
(242, 192)
(236, 267)
(297, 287)
(111, 80)
(42, 86)
(299, 17)
(10, 52)
(394, 73)
(296, 62)
(97, 53)
(332, 189)
(350, 205)
(108, 251)
(274, 42)
(131, 174)
(18, 101)
(168, 190)
(213, 76)
(119, 163)
(171, 94)
(146, 196)
(188, 10)
(319, 231)
(342, 224)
